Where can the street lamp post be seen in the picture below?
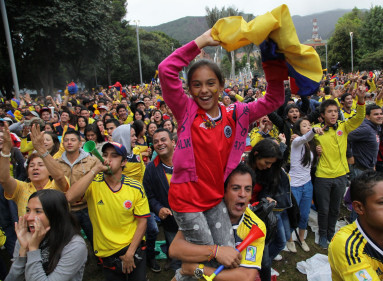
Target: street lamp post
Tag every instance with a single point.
(352, 56)
(10, 48)
(138, 48)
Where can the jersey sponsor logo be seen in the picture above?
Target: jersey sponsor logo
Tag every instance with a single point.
(339, 133)
(128, 204)
(251, 253)
(363, 275)
(100, 202)
(227, 131)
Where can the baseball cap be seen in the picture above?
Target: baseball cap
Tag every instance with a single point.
(103, 107)
(120, 149)
(140, 101)
(44, 109)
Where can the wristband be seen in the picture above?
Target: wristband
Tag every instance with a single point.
(44, 155)
(5, 155)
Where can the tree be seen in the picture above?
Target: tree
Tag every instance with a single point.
(339, 45)
(371, 32)
(372, 60)
(212, 16)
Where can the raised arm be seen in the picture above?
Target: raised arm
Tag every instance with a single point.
(9, 183)
(357, 119)
(77, 190)
(169, 69)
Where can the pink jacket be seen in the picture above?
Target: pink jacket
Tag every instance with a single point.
(185, 109)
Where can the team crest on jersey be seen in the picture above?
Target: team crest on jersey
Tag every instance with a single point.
(339, 133)
(138, 158)
(251, 253)
(363, 275)
(227, 131)
(128, 204)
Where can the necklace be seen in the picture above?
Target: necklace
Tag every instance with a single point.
(209, 122)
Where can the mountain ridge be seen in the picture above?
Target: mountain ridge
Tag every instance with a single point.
(188, 28)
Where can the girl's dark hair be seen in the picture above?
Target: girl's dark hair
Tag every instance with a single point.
(140, 112)
(106, 115)
(56, 143)
(308, 147)
(168, 120)
(269, 179)
(50, 125)
(63, 225)
(211, 65)
(94, 128)
(138, 126)
(82, 117)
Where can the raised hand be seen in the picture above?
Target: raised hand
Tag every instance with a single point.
(23, 235)
(38, 235)
(37, 138)
(7, 141)
(206, 40)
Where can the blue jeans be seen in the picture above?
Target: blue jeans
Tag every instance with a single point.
(282, 236)
(151, 236)
(304, 195)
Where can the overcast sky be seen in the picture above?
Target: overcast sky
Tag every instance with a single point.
(155, 12)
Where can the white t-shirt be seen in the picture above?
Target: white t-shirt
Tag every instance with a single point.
(300, 174)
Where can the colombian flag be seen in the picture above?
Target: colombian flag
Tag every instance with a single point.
(276, 31)
(15, 103)
(72, 88)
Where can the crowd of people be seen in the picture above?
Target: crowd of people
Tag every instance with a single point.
(200, 158)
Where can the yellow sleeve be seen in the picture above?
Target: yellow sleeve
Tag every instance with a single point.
(239, 98)
(253, 253)
(372, 85)
(354, 122)
(141, 207)
(26, 146)
(54, 185)
(379, 102)
(340, 268)
(255, 138)
(61, 150)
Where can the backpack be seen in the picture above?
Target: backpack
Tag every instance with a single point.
(264, 210)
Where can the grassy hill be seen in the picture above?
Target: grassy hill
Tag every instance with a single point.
(187, 28)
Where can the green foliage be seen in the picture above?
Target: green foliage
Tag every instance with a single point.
(372, 60)
(372, 30)
(339, 45)
(56, 42)
(367, 28)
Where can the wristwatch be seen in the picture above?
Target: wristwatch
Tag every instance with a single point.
(198, 272)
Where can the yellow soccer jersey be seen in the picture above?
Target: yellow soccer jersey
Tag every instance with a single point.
(333, 162)
(353, 256)
(113, 213)
(348, 115)
(135, 167)
(252, 255)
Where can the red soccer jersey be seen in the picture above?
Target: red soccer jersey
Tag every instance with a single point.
(212, 146)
